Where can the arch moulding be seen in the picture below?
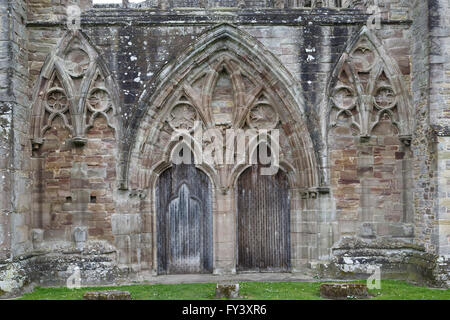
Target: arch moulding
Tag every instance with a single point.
(264, 96)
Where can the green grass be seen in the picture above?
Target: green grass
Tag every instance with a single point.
(390, 290)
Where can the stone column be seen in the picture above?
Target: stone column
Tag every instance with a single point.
(5, 179)
(327, 224)
(443, 213)
(79, 186)
(14, 147)
(15, 151)
(224, 220)
(5, 128)
(305, 217)
(439, 104)
(298, 247)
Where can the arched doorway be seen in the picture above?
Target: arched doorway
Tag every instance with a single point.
(184, 221)
(222, 86)
(263, 224)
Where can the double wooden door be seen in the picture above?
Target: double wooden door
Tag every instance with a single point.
(184, 221)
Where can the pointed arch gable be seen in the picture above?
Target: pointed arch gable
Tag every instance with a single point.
(77, 62)
(176, 70)
(366, 121)
(57, 90)
(254, 59)
(366, 41)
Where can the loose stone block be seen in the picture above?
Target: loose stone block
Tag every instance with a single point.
(107, 295)
(229, 291)
(343, 290)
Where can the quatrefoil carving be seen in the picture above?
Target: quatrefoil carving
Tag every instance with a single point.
(182, 117)
(368, 87)
(76, 62)
(99, 100)
(262, 116)
(57, 100)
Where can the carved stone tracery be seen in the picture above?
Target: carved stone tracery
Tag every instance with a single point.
(182, 117)
(99, 102)
(368, 89)
(76, 62)
(57, 100)
(74, 88)
(262, 116)
(223, 85)
(55, 104)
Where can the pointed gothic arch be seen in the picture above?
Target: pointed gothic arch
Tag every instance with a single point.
(368, 126)
(74, 85)
(85, 82)
(257, 79)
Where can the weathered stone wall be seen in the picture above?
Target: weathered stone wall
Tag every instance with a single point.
(15, 149)
(135, 53)
(439, 93)
(19, 166)
(6, 115)
(76, 180)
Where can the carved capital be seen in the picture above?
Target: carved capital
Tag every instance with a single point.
(406, 139)
(36, 143)
(364, 138)
(323, 189)
(311, 193)
(79, 141)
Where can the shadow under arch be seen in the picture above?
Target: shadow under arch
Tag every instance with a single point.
(283, 165)
(167, 163)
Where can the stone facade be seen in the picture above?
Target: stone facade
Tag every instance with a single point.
(86, 116)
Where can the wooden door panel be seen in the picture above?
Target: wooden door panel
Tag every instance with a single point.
(184, 221)
(263, 221)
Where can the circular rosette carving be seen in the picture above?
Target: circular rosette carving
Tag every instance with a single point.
(262, 116)
(363, 58)
(344, 98)
(76, 62)
(99, 100)
(57, 100)
(385, 98)
(182, 117)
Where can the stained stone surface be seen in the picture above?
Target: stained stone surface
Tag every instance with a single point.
(341, 291)
(107, 295)
(229, 291)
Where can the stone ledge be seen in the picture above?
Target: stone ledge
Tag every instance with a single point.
(248, 17)
(354, 258)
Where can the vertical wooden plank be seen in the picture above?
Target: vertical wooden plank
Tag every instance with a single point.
(184, 221)
(263, 221)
